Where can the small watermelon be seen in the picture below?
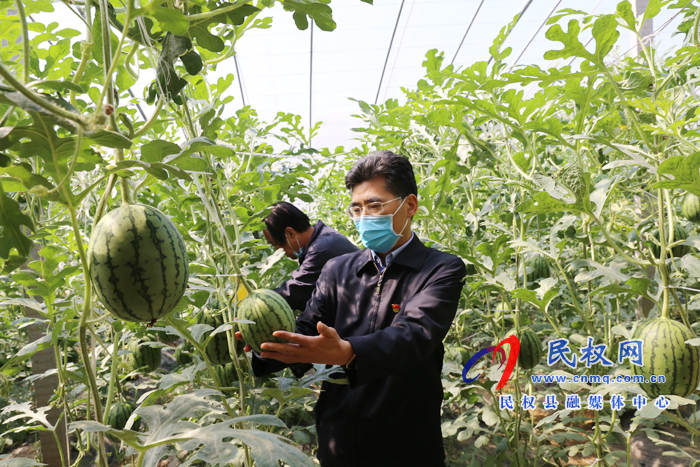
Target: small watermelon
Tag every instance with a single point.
(72, 356)
(143, 355)
(538, 267)
(226, 376)
(167, 338)
(690, 209)
(182, 357)
(665, 353)
(217, 350)
(530, 348)
(679, 233)
(270, 312)
(119, 415)
(138, 263)
(471, 269)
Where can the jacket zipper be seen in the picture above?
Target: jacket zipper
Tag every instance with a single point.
(381, 278)
(379, 298)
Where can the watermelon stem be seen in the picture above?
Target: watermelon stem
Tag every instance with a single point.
(661, 264)
(113, 377)
(123, 182)
(681, 421)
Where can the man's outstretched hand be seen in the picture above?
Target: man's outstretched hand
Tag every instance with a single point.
(326, 348)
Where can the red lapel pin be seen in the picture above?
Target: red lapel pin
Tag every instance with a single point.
(395, 308)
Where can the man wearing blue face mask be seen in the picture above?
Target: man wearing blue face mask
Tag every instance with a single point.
(381, 313)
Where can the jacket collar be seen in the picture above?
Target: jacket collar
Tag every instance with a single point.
(412, 256)
(317, 231)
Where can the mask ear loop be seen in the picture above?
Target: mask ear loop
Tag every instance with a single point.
(290, 245)
(405, 224)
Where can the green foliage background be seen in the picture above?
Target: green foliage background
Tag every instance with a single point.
(588, 173)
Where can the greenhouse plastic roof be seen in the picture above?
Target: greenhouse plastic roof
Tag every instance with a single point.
(377, 49)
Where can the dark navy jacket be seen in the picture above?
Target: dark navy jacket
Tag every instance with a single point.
(325, 243)
(389, 414)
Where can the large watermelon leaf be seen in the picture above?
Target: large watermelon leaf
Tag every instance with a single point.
(11, 236)
(167, 425)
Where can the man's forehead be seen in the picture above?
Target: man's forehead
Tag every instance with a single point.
(371, 191)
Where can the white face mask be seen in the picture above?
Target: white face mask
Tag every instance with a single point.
(301, 250)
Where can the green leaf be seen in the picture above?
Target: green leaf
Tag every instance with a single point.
(97, 39)
(206, 39)
(572, 46)
(624, 11)
(23, 172)
(61, 86)
(602, 192)
(169, 19)
(317, 11)
(175, 47)
(36, 111)
(19, 462)
(544, 203)
(11, 220)
(156, 150)
(684, 170)
(606, 35)
(110, 139)
(200, 29)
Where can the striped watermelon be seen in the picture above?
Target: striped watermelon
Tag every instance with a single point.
(538, 267)
(690, 209)
(270, 312)
(665, 353)
(225, 376)
(679, 233)
(138, 263)
(119, 414)
(143, 355)
(471, 269)
(217, 350)
(182, 357)
(530, 348)
(167, 338)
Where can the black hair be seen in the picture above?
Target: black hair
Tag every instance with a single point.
(398, 171)
(285, 215)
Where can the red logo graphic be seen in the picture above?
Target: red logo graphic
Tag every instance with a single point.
(514, 343)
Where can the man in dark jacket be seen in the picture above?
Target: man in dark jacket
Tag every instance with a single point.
(380, 313)
(289, 228)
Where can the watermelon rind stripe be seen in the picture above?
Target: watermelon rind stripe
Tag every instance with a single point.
(138, 263)
(665, 353)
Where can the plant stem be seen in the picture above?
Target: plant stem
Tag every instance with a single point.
(218, 11)
(681, 421)
(109, 61)
(123, 182)
(78, 145)
(154, 118)
(26, 53)
(38, 100)
(113, 377)
(614, 246)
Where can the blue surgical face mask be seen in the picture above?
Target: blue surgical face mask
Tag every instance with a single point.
(301, 250)
(377, 232)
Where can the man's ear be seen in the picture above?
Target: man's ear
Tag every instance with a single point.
(290, 232)
(412, 202)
